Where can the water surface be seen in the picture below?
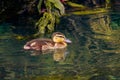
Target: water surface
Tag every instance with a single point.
(90, 56)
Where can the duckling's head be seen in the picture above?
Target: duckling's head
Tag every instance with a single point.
(59, 37)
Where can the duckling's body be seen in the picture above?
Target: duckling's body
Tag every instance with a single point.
(58, 41)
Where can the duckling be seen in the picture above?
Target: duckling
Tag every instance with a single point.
(58, 41)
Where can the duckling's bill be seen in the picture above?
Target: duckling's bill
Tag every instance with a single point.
(68, 41)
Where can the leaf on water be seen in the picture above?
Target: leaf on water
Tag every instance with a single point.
(75, 5)
(100, 10)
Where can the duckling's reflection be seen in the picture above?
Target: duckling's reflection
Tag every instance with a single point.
(58, 54)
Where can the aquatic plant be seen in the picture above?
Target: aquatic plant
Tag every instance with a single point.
(51, 13)
(53, 9)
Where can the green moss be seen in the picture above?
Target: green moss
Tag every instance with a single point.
(54, 9)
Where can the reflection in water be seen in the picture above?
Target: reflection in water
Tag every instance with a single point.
(58, 54)
(87, 58)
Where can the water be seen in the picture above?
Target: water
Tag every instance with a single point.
(93, 55)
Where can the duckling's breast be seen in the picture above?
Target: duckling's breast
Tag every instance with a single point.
(60, 45)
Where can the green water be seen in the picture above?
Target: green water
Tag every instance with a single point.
(86, 58)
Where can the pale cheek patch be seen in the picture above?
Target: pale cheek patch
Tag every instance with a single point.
(32, 44)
